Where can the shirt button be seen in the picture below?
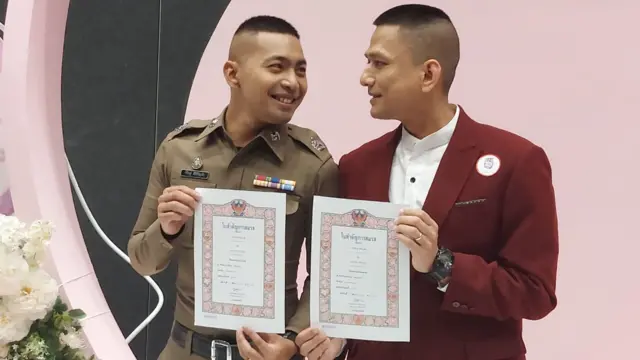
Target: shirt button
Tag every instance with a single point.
(455, 304)
(412, 180)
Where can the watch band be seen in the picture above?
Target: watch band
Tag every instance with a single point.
(442, 267)
(290, 335)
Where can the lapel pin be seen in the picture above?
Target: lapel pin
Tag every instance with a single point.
(275, 136)
(488, 165)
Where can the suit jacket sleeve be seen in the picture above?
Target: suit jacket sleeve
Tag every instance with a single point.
(326, 184)
(148, 250)
(520, 283)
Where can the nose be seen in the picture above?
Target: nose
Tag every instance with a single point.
(290, 81)
(366, 79)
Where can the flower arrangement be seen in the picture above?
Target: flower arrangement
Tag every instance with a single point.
(35, 324)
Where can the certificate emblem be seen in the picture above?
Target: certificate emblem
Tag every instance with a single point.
(238, 206)
(359, 217)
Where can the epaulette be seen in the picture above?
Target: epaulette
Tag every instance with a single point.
(311, 140)
(188, 128)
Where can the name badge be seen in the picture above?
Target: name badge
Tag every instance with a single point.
(194, 174)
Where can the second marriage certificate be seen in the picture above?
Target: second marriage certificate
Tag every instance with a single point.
(360, 277)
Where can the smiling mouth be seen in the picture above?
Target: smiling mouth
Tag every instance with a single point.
(283, 99)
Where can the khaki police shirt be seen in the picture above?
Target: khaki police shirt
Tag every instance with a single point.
(286, 151)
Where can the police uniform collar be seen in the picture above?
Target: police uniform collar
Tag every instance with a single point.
(215, 123)
(275, 135)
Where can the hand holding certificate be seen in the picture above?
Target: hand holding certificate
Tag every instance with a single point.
(360, 282)
(239, 239)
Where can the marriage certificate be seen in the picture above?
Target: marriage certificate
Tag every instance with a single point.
(239, 239)
(360, 271)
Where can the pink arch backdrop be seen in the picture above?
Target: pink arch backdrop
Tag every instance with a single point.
(32, 133)
(561, 73)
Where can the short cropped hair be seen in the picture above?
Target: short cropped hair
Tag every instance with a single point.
(432, 34)
(267, 23)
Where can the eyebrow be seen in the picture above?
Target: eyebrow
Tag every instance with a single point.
(375, 54)
(285, 59)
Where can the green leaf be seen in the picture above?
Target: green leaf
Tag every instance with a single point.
(77, 314)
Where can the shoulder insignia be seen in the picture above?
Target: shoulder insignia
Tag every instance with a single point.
(193, 125)
(311, 140)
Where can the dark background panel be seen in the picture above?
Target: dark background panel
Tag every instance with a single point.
(3, 10)
(109, 121)
(185, 30)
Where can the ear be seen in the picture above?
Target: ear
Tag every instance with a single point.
(230, 70)
(431, 74)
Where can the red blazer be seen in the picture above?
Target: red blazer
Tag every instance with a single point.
(505, 246)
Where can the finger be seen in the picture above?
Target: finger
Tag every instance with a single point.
(413, 221)
(259, 342)
(421, 239)
(176, 207)
(314, 343)
(180, 197)
(171, 216)
(422, 215)
(244, 347)
(308, 346)
(409, 231)
(185, 189)
(410, 243)
(306, 335)
(318, 352)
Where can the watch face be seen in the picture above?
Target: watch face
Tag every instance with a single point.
(442, 266)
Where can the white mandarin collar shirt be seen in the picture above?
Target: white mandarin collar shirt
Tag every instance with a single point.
(415, 163)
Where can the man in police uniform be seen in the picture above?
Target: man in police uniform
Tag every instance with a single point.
(266, 72)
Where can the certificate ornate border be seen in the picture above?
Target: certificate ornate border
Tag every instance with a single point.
(239, 208)
(361, 219)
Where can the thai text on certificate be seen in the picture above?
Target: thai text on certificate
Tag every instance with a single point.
(239, 257)
(360, 277)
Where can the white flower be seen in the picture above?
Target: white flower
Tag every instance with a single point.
(73, 339)
(38, 294)
(13, 270)
(12, 327)
(12, 232)
(38, 238)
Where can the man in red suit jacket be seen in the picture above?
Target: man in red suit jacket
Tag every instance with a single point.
(481, 227)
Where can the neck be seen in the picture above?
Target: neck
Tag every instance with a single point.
(426, 122)
(239, 125)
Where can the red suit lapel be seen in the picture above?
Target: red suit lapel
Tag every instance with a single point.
(457, 164)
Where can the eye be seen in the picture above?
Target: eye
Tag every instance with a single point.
(276, 67)
(302, 71)
(376, 63)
